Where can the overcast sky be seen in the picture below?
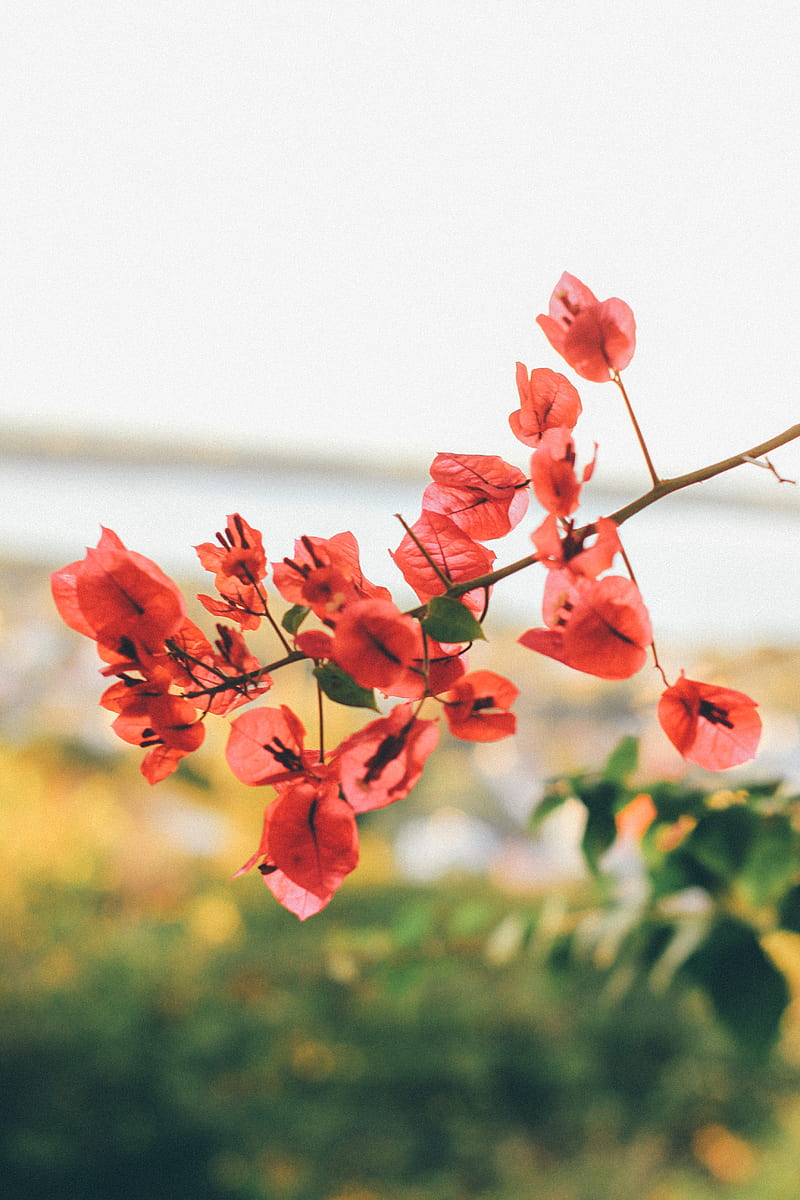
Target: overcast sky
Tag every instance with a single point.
(331, 225)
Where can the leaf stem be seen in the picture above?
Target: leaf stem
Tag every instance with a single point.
(445, 579)
(615, 375)
(653, 650)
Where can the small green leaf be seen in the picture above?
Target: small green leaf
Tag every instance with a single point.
(722, 839)
(674, 800)
(450, 621)
(555, 794)
(599, 795)
(599, 834)
(602, 799)
(343, 689)
(293, 618)
(770, 863)
(746, 988)
(789, 909)
(678, 871)
(622, 761)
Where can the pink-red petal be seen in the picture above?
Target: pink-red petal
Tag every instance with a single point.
(714, 727)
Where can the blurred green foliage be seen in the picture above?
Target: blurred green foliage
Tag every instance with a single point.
(719, 873)
(165, 1032)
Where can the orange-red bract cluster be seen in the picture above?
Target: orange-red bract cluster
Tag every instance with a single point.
(309, 841)
(137, 617)
(169, 677)
(596, 625)
(596, 337)
(600, 625)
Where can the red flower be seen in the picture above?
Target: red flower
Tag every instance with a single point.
(599, 626)
(457, 556)
(164, 724)
(119, 598)
(444, 667)
(266, 746)
(558, 549)
(595, 337)
(384, 760)
(312, 835)
(411, 678)
(553, 474)
(326, 591)
(714, 727)
(547, 400)
(309, 844)
(239, 564)
(375, 643)
(482, 494)
(477, 707)
(64, 586)
(315, 643)
(197, 665)
(297, 581)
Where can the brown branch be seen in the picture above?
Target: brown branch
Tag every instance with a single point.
(666, 486)
(663, 488)
(240, 681)
(454, 590)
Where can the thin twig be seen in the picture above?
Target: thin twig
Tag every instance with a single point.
(442, 575)
(618, 381)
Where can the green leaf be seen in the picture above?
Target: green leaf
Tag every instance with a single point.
(555, 794)
(623, 760)
(770, 863)
(601, 799)
(712, 856)
(673, 800)
(449, 620)
(343, 689)
(789, 910)
(722, 839)
(747, 990)
(599, 795)
(600, 832)
(293, 618)
(678, 871)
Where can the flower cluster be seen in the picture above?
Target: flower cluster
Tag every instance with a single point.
(137, 617)
(167, 677)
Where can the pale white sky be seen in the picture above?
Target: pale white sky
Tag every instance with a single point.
(331, 225)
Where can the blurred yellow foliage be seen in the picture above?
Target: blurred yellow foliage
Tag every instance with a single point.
(729, 1158)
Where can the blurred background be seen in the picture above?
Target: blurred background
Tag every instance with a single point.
(271, 258)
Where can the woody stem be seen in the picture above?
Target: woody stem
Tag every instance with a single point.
(664, 487)
(276, 627)
(660, 489)
(653, 474)
(653, 650)
(233, 681)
